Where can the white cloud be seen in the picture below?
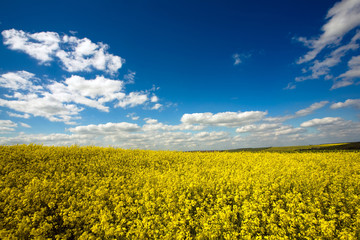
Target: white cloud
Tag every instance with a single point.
(321, 68)
(133, 116)
(301, 113)
(154, 125)
(354, 71)
(75, 54)
(133, 99)
(58, 101)
(25, 125)
(237, 59)
(105, 129)
(258, 128)
(342, 83)
(20, 80)
(321, 121)
(43, 106)
(93, 93)
(84, 55)
(269, 131)
(18, 115)
(174, 140)
(7, 126)
(348, 77)
(57, 139)
(290, 86)
(129, 78)
(313, 107)
(154, 99)
(156, 106)
(287, 130)
(150, 120)
(42, 46)
(348, 103)
(342, 18)
(333, 129)
(228, 119)
(157, 135)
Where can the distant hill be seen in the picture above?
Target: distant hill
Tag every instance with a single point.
(322, 147)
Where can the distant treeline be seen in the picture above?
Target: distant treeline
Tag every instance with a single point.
(352, 146)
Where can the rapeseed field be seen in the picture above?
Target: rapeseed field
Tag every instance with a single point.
(107, 193)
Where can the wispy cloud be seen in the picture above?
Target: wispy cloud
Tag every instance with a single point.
(348, 78)
(133, 116)
(25, 125)
(237, 59)
(342, 18)
(7, 126)
(300, 113)
(19, 115)
(313, 107)
(290, 86)
(322, 68)
(129, 78)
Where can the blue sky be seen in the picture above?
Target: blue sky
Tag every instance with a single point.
(187, 75)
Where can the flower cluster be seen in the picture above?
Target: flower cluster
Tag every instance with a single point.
(107, 193)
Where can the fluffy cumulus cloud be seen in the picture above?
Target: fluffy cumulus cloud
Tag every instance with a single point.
(92, 93)
(133, 99)
(225, 119)
(258, 127)
(342, 19)
(270, 131)
(58, 139)
(63, 101)
(154, 125)
(42, 106)
(20, 80)
(333, 129)
(348, 103)
(42, 46)
(154, 134)
(321, 122)
(105, 129)
(75, 55)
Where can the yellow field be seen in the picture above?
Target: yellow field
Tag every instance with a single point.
(106, 193)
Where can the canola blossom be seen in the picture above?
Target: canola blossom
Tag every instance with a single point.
(107, 193)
